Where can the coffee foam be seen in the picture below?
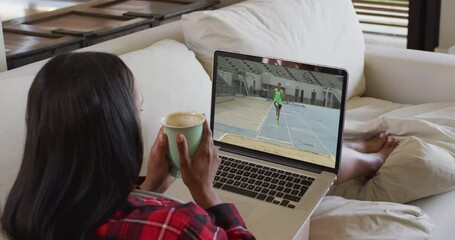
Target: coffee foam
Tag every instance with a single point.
(184, 119)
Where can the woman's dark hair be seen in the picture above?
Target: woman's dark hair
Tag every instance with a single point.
(83, 148)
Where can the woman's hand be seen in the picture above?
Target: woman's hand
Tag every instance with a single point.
(158, 178)
(199, 172)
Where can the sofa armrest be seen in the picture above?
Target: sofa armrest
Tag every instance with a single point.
(409, 76)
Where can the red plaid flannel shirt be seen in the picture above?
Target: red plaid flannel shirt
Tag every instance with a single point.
(161, 218)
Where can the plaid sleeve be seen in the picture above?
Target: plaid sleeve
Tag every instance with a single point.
(227, 217)
(157, 218)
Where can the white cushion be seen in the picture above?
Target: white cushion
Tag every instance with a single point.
(170, 79)
(315, 31)
(13, 101)
(339, 218)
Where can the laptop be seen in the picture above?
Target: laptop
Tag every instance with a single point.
(278, 127)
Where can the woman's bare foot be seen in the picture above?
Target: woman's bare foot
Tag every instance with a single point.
(355, 164)
(371, 145)
(377, 159)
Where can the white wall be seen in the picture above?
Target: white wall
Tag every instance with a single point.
(447, 27)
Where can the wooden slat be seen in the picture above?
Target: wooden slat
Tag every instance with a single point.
(32, 18)
(136, 22)
(397, 9)
(394, 4)
(382, 15)
(153, 9)
(139, 6)
(42, 31)
(385, 24)
(74, 21)
(403, 11)
(100, 12)
(201, 4)
(25, 44)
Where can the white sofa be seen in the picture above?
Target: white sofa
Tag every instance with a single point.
(400, 76)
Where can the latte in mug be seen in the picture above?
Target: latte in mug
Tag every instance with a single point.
(189, 124)
(183, 119)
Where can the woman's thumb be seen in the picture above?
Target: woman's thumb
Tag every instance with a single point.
(183, 151)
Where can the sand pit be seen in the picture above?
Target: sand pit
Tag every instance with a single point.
(278, 150)
(243, 112)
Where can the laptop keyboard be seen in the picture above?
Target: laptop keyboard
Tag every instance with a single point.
(261, 182)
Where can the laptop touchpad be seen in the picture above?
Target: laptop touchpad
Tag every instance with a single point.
(244, 206)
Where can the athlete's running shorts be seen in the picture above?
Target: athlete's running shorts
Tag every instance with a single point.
(279, 105)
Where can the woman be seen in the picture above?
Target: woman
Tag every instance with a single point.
(82, 157)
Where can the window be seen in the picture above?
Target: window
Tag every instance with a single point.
(412, 23)
(383, 16)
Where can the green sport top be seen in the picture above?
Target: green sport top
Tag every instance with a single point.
(278, 98)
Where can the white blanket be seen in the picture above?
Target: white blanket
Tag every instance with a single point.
(422, 165)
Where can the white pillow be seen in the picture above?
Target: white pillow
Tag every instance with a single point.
(170, 79)
(323, 32)
(339, 218)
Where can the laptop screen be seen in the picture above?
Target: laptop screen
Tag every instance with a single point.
(279, 107)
